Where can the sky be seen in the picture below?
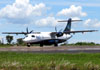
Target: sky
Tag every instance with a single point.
(42, 16)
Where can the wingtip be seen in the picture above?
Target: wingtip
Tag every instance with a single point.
(95, 30)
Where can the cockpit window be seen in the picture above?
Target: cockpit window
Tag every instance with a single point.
(33, 36)
(26, 35)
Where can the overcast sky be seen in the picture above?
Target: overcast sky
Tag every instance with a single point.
(42, 15)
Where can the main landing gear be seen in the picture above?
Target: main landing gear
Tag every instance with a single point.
(41, 44)
(28, 45)
(56, 45)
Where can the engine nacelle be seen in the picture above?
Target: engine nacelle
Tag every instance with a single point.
(59, 34)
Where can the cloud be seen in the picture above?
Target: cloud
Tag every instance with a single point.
(52, 21)
(22, 11)
(66, 3)
(48, 21)
(73, 11)
(92, 23)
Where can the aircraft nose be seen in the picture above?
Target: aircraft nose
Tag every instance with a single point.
(24, 40)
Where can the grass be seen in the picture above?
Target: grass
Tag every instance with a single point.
(30, 61)
(5, 45)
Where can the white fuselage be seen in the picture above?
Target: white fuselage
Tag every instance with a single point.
(44, 36)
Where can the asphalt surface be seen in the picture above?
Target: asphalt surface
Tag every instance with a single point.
(51, 49)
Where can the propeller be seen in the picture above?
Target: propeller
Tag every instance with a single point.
(31, 31)
(56, 29)
(27, 30)
(58, 33)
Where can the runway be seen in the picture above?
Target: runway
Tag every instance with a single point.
(51, 49)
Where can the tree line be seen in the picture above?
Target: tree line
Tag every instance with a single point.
(10, 38)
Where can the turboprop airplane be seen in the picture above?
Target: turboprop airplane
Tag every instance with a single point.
(49, 38)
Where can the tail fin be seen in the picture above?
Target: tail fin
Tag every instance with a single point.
(68, 26)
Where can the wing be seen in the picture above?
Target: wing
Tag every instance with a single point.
(68, 32)
(15, 33)
(83, 31)
(25, 33)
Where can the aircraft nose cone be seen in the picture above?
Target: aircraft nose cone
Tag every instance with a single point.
(24, 40)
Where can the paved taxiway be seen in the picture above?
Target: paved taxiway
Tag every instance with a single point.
(50, 49)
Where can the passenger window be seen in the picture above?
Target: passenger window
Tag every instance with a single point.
(33, 36)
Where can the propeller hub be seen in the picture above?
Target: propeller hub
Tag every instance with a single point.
(59, 34)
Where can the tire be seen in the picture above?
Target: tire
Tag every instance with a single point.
(56, 45)
(41, 44)
(28, 45)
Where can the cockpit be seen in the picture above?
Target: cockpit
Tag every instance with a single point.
(26, 35)
(30, 35)
(29, 38)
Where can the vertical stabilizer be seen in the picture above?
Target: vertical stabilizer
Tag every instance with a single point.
(68, 26)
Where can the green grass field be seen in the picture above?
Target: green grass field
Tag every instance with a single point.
(30, 61)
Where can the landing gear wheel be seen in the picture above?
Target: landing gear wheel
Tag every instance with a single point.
(41, 44)
(28, 45)
(56, 45)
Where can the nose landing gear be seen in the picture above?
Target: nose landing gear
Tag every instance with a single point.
(41, 44)
(28, 45)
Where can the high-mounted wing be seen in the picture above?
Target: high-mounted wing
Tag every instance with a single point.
(68, 32)
(25, 33)
(15, 33)
(58, 34)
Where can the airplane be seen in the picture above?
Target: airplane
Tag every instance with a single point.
(49, 38)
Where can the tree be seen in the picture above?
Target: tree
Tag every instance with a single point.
(20, 41)
(9, 39)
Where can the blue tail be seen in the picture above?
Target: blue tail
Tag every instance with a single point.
(68, 26)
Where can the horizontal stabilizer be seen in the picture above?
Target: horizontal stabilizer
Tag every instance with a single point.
(68, 20)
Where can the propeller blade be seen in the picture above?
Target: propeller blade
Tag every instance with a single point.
(56, 29)
(31, 31)
(27, 30)
(58, 34)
